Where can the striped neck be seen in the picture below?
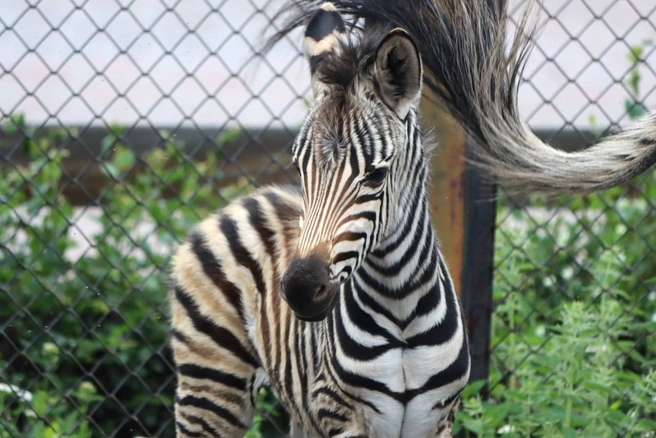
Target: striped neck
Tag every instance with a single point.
(405, 274)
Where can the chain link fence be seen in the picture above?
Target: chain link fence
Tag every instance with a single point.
(574, 299)
(125, 121)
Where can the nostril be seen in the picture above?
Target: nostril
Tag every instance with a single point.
(321, 293)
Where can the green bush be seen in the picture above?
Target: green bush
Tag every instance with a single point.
(573, 351)
(84, 342)
(579, 368)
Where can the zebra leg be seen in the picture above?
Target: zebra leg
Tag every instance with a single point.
(215, 360)
(445, 427)
(215, 397)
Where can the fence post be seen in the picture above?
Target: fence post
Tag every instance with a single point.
(478, 262)
(446, 189)
(464, 214)
(478, 269)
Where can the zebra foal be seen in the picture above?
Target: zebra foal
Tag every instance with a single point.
(336, 296)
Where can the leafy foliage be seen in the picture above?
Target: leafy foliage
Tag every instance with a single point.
(575, 315)
(84, 331)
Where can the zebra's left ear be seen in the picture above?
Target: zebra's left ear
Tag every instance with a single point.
(322, 36)
(398, 71)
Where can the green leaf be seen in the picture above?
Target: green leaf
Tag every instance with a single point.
(111, 170)
(40, 402)
(124, 158)
(227, 137)
(473, 388)
(635, 110)
(107, 143)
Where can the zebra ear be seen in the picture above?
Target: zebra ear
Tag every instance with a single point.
(398, 71)
(322, 35)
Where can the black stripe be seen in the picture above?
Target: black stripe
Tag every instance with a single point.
(332, 363)
(286, 212)
(187, 432)
(288, 379)
(355, 350)
(408, 226)
(220, 335)
(426, 277)
(325, 413)
(202, 423)
(241, 254)
(199, 372)
(450, 374)
(332, 395)
(362, 317)
(213, 269)
(259, 222)
(349, 236)
(344, 256)
(446, 402)
(428, 302)
(363, 199)
(376, 285)
(334, 431)
(208, 405)
(179, 336)
(299, 351)
(267, 235)
(353, 161)
(416, 244)
(442, 332)
(373, 305)
(371, 216)
(362, 137)
(360, 381)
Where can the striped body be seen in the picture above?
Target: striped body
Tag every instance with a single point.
(389, 361)
(336, 295)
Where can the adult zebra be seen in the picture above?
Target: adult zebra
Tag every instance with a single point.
(337, 296)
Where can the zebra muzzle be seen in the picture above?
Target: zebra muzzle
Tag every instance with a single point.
(307, 288)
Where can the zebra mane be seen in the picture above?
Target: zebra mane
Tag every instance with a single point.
(462, 45)
(474, 67)
(340, 68)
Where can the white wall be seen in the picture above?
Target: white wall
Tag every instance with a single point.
(158, 66)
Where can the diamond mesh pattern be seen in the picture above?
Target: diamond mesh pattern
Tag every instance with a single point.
(591, 73)
(122, 124)
(124, 121)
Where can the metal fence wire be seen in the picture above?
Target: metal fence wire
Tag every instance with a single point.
(125, 121)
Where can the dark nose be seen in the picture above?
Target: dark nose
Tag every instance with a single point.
(307, 288)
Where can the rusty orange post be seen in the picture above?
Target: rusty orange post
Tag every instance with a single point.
(446, 186)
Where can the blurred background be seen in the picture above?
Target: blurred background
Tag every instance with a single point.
(122, 122)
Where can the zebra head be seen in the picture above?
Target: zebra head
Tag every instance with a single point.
(351, 153)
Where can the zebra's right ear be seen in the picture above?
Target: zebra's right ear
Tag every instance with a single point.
(322, 35)
(398, 71)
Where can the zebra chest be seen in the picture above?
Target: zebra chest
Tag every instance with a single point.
(409, 386)
(410, 402)
(407, 375)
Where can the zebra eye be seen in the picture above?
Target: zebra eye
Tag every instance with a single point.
(376, 176)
